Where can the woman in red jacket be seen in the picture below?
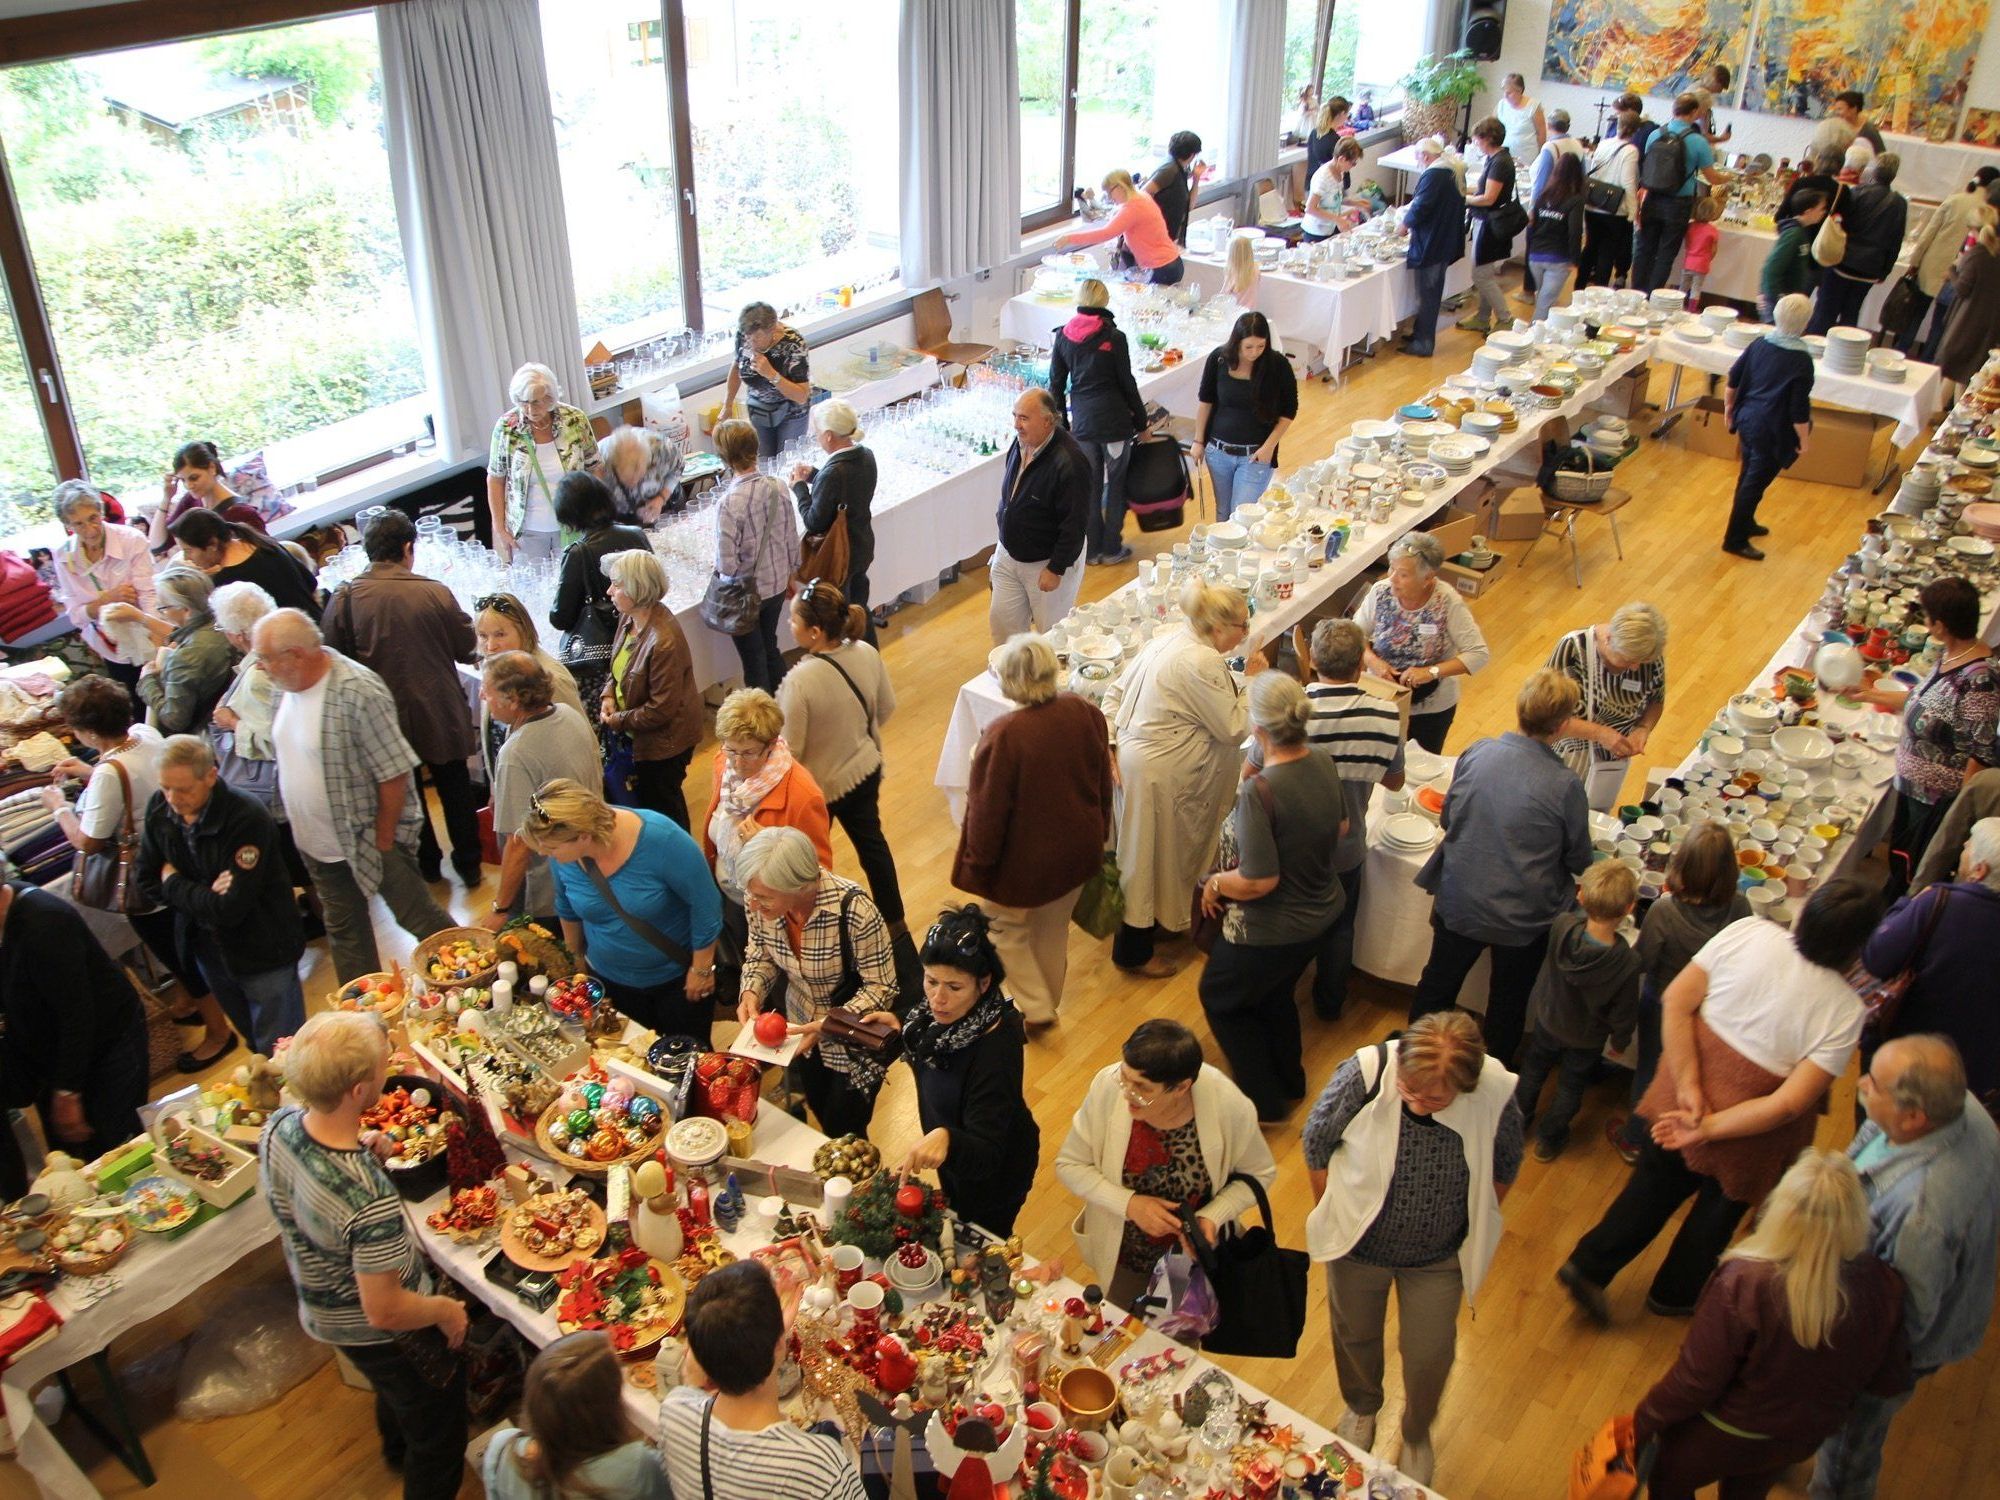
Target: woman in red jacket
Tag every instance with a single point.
(1037, 818)
(1796, 1322)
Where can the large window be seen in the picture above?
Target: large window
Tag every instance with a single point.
(215, 243)
(26, 475)
(1373, 44)
(614, 138)
(1041, 44)
(1301, 82)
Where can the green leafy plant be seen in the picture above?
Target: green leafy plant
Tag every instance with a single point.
(1451, 79)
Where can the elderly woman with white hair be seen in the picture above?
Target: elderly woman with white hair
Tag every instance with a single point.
(183, 682)
(842, 486)
(649, 700)
(1620, 668)
(642, 470)
(817, 945)
(536, 441)
(1768, 405)
(1422, 634)
(241, 726)
(100, 564)
(773, 364)
(1038, 808)
(1177, 716)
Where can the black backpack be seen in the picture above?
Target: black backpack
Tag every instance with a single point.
(1664, 167)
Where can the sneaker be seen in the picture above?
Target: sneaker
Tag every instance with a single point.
(1587, 1294)
(1417, 1460)
(1113, 559)
(1356, 1429)
(1614, 1132)
(1474, 325)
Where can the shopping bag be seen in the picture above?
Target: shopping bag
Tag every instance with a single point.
(1260, 1287)
(1608, 1466)
(1178, 1302)
(1100, 905)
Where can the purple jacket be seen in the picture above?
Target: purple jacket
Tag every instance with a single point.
(1957, 988)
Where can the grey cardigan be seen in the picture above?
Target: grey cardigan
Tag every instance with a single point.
(837, 735)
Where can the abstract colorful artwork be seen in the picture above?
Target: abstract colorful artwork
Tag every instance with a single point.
(1648, 46)
(1912, 59)
(1982, 127)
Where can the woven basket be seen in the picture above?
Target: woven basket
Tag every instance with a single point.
(431, 946)
(84, 1265)
(1420, 120)
(1572, 488)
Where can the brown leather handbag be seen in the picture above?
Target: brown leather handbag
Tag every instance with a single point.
(104, 879)
(825, 556)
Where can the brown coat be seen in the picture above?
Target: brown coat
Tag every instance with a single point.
(1747, 1167)
(409, 631)
(1974, 326)
(1038, 809)
(658, 704)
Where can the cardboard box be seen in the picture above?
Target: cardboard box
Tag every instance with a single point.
(1388, 692)
(1843, 443)
(1455, 527)
(1626, 396)
(1519, 516)
(1471, 582)
(1705, 433)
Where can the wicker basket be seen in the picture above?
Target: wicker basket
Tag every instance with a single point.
(1573, 488)
(1420, 120)
(430, 947)
(83, 1265)
(390, 1014)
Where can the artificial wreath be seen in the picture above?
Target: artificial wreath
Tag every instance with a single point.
(878, 1226)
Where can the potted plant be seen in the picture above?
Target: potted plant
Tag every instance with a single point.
(1435, 90)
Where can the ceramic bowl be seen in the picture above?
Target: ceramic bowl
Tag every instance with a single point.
(1725, 750)
(1228, 535)
(1753, 715)
(1803, 747)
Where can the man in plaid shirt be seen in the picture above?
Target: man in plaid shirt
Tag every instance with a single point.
(345, 784)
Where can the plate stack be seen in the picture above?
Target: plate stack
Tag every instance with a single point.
(1488, 359)
(1847, 351)
(1408, 832)
(1919, 491)
(1419, 436)
(1519, 341)
(1667, 300)
(1456, 455)
(1741, 335)
(1888, 365)
(1984, 519)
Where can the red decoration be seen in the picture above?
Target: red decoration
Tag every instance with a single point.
(912, 1200)
(471, 1154)
(771, 1029)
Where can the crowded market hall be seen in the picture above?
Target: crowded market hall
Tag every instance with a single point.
(960, 748)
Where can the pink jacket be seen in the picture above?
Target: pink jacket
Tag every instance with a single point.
(1145, 229)
(1701, 242)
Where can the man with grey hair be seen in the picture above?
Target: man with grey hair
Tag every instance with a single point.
(1929, 1158)
(1046, 492)
(545, 740)
(213, 856)
(344, 780)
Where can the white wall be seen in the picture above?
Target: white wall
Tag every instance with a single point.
(1780, 135)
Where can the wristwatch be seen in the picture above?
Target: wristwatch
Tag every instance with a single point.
(1437, 674)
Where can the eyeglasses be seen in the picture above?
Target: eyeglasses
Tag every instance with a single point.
(757, 754)
(1131, 1091)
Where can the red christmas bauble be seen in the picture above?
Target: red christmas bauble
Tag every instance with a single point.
(770, 1028)
(912, 1200)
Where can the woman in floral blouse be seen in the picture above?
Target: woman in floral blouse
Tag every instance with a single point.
(1948, 722)
(1421, 634)
(535, 443)
(772, 362)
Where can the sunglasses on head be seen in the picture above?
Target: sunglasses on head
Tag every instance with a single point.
(962, 941)
(505, 604)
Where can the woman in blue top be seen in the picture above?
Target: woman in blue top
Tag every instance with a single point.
(1768, 405)
(575, 1439)
(630, 886)
(965, 1046)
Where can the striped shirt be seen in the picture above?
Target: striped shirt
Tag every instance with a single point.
(338, 1218)
(779, 1462)
(1364, 736)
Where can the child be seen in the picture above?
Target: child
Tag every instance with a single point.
(1702, 898)
(1587, 992)
(1240, 273)
(575, 1439)
(1702, 238)
(43, 561)
(1789, 267)
(725, 1437)
(1364, 112)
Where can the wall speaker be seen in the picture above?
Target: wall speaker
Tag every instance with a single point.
(1485, 24)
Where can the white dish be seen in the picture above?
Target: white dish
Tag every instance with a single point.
(1228, 535)
(1409, 830)
(1802, 746)
(1964, 546)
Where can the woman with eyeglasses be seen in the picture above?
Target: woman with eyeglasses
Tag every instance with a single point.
(101, 564)
(537, 440)
(650, 696)
(185, 680)
(1410, 1149)
(625, 880)
(759, 784)
(500, 623)
(1159, 1135)
(966, 1046)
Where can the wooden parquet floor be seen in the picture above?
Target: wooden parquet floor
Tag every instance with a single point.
(1532, 1380)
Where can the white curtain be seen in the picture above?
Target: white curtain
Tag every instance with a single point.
(1444, 28)
(961, 138)
(472, 159)
(1257, 103)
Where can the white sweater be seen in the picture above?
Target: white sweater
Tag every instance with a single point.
(1091, 1163)
(827, 726)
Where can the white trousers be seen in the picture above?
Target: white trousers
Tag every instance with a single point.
(1018, 602)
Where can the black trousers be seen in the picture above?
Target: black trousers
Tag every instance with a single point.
(452, 781)
(661, 785)
(1514, 971)
(1761, 465)
(422, 1428)
(859, 813)
(1663, 224)
(1837, 303)
(840, 1107)
(1573, 1067)
(158, 931)
(664, 1007)
(1336, 956)
(1660, 1183)
(1916, 824)
(1429, 730)
(1607, 249)
(1132, 947)
(1246, 993)
(1906, 336)
(757, 649)
(857, 593)
(1430, 298)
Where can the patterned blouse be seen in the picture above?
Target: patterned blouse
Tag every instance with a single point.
(757, 533)
(1436, 630)
(1161, 1164)
(1616, 699)
(1949, 720)
(511, 456)
(789, 357)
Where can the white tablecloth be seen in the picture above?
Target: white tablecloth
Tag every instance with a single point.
(1402, 159)
(1912, 404)
(155, 1275)
(1392, 930)
(1738, 270)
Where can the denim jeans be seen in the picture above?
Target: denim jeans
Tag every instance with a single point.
(1168, 275)
(1430, 298)
(1551, 276)
(777, 426)
(1237, 480)
(1104, 527)
(423, 1429)
(1573, 1066)
(757, 649)
(1940, 315)
(263, 1006)
(1850, 1461)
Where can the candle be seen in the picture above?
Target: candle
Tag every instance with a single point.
(834, 1198)
(503, 997)
(539, 986)
(510, 971)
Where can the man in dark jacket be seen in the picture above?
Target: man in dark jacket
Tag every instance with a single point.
(1090, 368)
(409, 631)
(1874, 217)
(212, 854)
(845, 483)
(1436, 221)
(1045, 495)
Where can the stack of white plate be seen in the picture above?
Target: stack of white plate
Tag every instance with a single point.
(1488, 359)
(1667, 300)
(1480, 424)
(1455, 454)
(1410, 832)
(1373, 430)
(1520, 341)
(1847, 351)
(1889, 365)
(1718, 317)
(1419, 436)
(1695, 332)
(1741, 335)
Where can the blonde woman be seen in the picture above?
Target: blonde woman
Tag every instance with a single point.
(642, 470)
(1240, 274)
(1090, 373)
(757, 785)
(605, 858)
(1177, 716)
(1796, 1323)
(537, 440)
(1620, 667)
(1137, 217)
(500, 622)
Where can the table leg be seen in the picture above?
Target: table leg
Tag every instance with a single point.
(120, 1436)
(1672, 411)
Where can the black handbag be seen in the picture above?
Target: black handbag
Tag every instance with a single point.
(1899, 305)
(1260, 1287)
(1505, 220)
(104, 879)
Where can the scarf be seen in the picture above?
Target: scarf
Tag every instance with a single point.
(1786, 341)
(736, 799)
(937, 1046)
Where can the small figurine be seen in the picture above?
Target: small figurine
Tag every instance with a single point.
(262, 1082)
(934, 1380)
(62, 1182)
(1072, 1326)
(1093, 1302)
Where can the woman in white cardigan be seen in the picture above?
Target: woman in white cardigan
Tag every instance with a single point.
(836, 701)
(1433, 1115)
(1159, 1130)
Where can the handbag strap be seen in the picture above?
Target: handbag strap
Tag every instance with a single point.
(644, 929)
(853, 687)
(125, 836)
(707, 1421)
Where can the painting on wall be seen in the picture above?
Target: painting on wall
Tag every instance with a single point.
(1648, 46)
(1912, 60)
(1982, 128)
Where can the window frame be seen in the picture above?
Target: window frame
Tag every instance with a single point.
(1064, 206)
